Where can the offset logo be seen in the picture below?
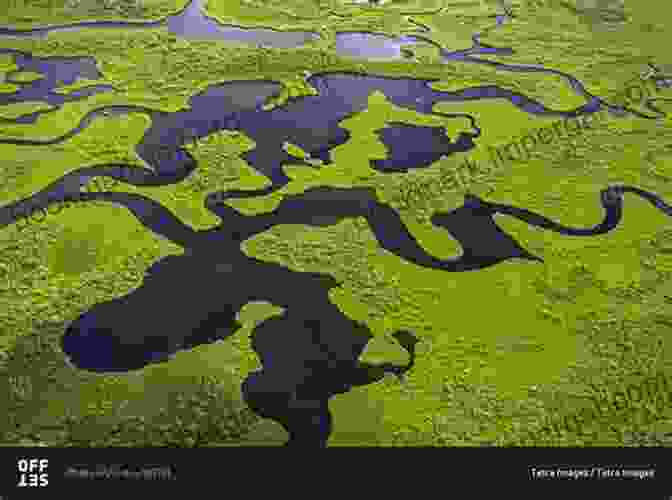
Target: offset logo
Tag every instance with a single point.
(32, 472)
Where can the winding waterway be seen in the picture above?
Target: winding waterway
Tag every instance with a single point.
(311, 122)
(311, 351)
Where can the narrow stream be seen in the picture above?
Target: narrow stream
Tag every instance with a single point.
(311, 352)
(192, 23)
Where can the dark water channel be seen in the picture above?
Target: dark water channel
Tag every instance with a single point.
(192, 23)
(310, 352)
(55, 72)
(311, 122)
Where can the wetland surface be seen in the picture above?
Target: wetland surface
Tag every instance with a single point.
(313, 350)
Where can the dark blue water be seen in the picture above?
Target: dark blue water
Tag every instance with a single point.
(311, 352)
(193, 24)
(311, 122)
(56, 72)
(412, 146)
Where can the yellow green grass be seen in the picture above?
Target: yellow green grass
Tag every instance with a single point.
(27, 14)
(16, 110)
(596, 311)
(26, 76)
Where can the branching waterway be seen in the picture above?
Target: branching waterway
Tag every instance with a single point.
(311, 351)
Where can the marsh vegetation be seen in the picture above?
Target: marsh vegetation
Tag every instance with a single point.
(595, 312)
